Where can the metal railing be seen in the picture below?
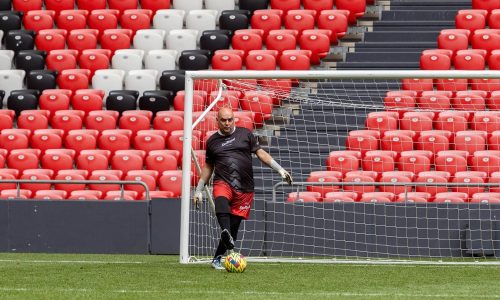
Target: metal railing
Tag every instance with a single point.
(122, 184)
(406, 185)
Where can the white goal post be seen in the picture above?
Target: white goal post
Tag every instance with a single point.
(389, 166)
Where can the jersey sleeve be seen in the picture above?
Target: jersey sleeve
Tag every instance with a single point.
(254, 142)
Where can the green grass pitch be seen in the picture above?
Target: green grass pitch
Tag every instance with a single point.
(65, 276)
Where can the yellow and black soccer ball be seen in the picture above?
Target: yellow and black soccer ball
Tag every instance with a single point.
(235, 263)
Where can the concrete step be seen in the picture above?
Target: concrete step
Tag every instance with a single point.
(419, 15)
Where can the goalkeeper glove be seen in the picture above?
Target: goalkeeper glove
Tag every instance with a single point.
(198, 194)
(286, 176)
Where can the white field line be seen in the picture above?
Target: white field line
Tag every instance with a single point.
(256, 293)
(68, 261)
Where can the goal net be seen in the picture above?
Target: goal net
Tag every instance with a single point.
(388, 166)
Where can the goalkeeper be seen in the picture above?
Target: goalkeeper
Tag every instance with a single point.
(229, 158)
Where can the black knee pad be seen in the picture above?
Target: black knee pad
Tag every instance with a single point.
(222, 205)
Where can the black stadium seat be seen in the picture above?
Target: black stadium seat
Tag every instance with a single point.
(41, 79)
(18, 40)
(156, 101)
(29, 60)
(214, 41)
(172, 80)
(234, 19)
(10, 20)
(121, 101)
(22, 100)
(253, 5)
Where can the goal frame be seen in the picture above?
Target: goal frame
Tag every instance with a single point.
(191, 76)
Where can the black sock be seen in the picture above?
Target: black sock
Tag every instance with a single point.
(221, 249)
(224, 220)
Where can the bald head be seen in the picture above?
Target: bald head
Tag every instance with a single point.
(225, 120)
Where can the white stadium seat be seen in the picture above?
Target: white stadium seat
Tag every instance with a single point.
(108, 80)
(204, 19)
(127, 59)
(6, 57)
(149, 39)
(160, 60)
(169, 19)
(188, 5)
(141, 80)
(182, 39)
(11, 80)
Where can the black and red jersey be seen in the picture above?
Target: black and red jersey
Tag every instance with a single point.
(231, 156)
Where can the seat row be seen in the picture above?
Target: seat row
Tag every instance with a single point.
(452, 121)
(469, 100)
(453, 85)
(470, 59)
(433, 140)
(416, 161)
(384, 197)
(474, 19)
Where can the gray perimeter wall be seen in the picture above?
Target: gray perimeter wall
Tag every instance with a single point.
(282, 229)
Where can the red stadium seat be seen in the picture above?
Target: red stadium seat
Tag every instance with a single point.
(171, 181)
(162, 160)
(452, 121)
(415, 161)
(136, 20)
(488, 121)
(453, 40)
(486, 161)
(399, 100)
(435, 60)
(343, 161)
(155, 5)
(437, 100)
(469, 177)
(37, 20)
(8, 174)
(59, 5)
(487, 5)
(146, 176)
(471, 20)
(134, 122)
(494, 19)
(378, 163)
(85, 195)
(121, 195)
(487, 39)
(398, 140)
(469, 100)
(494, 178)
(317, 43)
(304, 197)
(377, 197)
(60, 61)
(101, 120)
(434, 140)
(226, 61)
(13, 140)
(46, 139)
(82, 39)
(356, 8)
(167, 120)
(266, 20)
(91, 5)
(114, 140)
(92, 160)
(25, 6)
(473, 59)
(382, 121)
(79, 141)
(123, 5)
(281, 41)
(67, 120)
(359, 189)
(87, 102)
(176, 138)
(74, 79)
(70, 175)
(247, 42)
(36, 174)
(103, 176)
(285, 5)
(335, 21)
(126, 160)
(291, 61)
(299, 20)
(115, 39)
(396, 177)
(72, 19)
(58, 159)
(150, 140)
(450, 162)
(363, 140)
(471, 141)
(494, 141)
(48, 41)
(340, 197)
(486, 198)
(417, 84)
(417, 121)
(323, 176)
(22, 160)
(428, 178)
(102, 20)
(450, 197)
(32, 120)
(260, 62)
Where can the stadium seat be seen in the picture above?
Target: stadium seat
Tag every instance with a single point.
(473, 59)
(450, 197)
(204, 19)
(162, 160)
(233, 20)
(92, 160)
(470, 141)
(377, 161)
(434, 141)
(32, 120)
(298, 20)
(126, 160)
(136, 19)
(85, 195)
(338, 197)
(435, 100)
(58, 159)
(294, 60)
(494, 141)
(317, 43)
(285, 5)
(471, 20)
(488, 121)
(182, 39)
(343, 161)
(37, 20)
(116, 39)
(453, 40)
(260, 62)
(451, 161)
(169, 19)
(398, 140)
(435, 60)
(18, 40)
(59, 5)
(356, 8)
(21, 159)
(108, 80)
(22, 101)
(470, 178)
(280, 41)
(494, 19)
(377, 197)
(82, 39)
(247, 42)
(266, 20)
(102, 19)
(60, 61)
(494, 179)
(359, 189)
(430, 177)
(81, 140)
(25, 6)
(155, 101)
(396, 177)
(72, 19)
(127, 59)
(487, 5)
(486, 39)
(172, 80)
(171, 180)
(452, 121)
(415, 161)
(155, 5)
(382, 121)
(29, 60)
(123, 5)
(74, 79)
(395, 100)
(103, 176)
(486, 161)
(304, 197)
(486, 198)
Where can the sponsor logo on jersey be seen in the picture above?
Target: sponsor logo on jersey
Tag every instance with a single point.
(244, 207)
(228, 142)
